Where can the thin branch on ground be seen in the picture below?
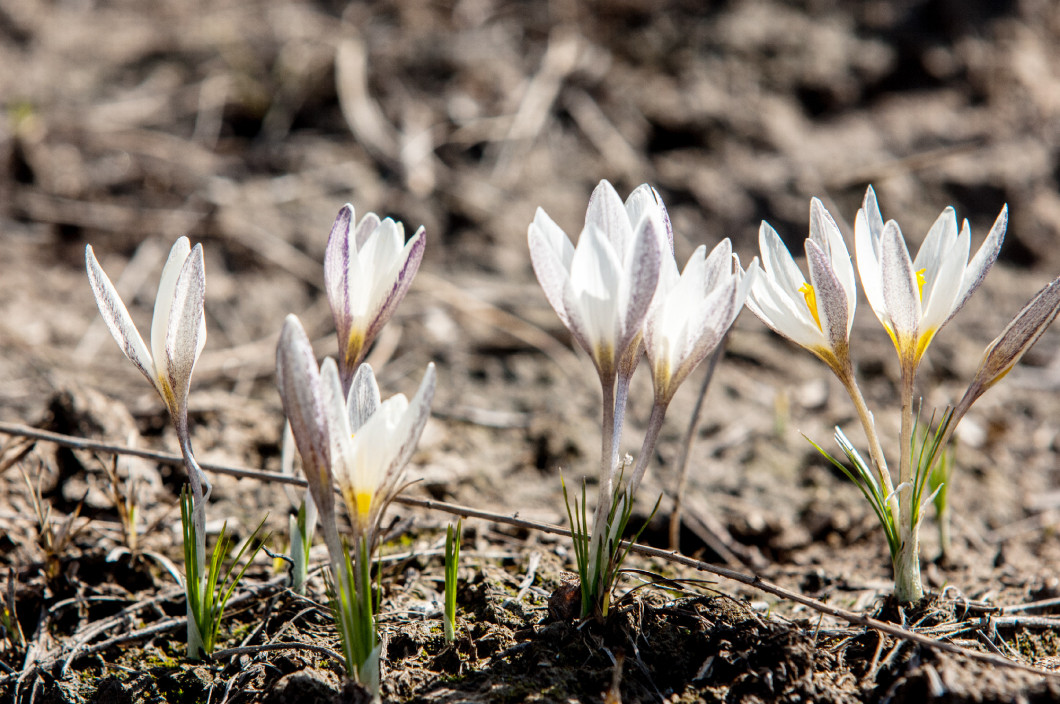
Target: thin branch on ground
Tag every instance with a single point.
(265, 647)
(753, 581)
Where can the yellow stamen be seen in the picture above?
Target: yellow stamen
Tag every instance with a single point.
(920, 282)
(168, 395)
(364, 502)
(354, 347)
(811, 302)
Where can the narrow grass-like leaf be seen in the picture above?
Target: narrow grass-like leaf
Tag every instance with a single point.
(452, 562)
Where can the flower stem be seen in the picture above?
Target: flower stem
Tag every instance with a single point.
(865, 415)
(608, 455)
(651, 435)
(905, 466)
(621, 398)
(686, 445)
(196, 479)
(908, 588)
(907, 584)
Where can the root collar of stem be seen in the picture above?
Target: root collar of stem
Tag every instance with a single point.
(908, 587)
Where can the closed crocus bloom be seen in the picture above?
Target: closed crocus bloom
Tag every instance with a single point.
(178, 327)
(1019, 335)
(691, 313)
(372, 441)
(817, 314)
(602, 288)
(368, 269)
(914, 298)
(300, 385)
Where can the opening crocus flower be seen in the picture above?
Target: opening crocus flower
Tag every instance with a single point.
(368, 269)
(178, 335)
(691, 314)
(178, 327)
(365, 446)
(817, 314)
(602, 288)
(914, 298)
(372, 441)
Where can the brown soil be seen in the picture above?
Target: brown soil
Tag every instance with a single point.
(246, 125)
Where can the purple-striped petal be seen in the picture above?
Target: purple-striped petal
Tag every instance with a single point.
(364, 399)
(607, 212)
(643, 279)
(117, 318)
(830, 297)
(300, 390)
(416, 416)
(901, 294)
(984, 258)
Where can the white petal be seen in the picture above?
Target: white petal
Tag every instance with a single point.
(939, 241)
(637, 291)
(825, 232)
(415, 418)
(643, 199)
(871, 208)
(551, 254)
(982, 261)
(830, 297)
(942, 282)
(397, 284)
(717, 267)
(299, 382)
(186, 335)
(340, 435)
(337, 262)
(376, 446)
(381, 253)
(164, 298)
(365, 229)
(776, 308)
(117, 318)
(866, 246)
(596, 274)
(901, 294)
(363, 399)
(607, 212)
(779, 265)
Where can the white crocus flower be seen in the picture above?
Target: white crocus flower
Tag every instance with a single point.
(914, 298)
(817, 314)
(372, 441)
(691, 314)
(178, 327)
(178, 334)
(368, 269)
(602, 288)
